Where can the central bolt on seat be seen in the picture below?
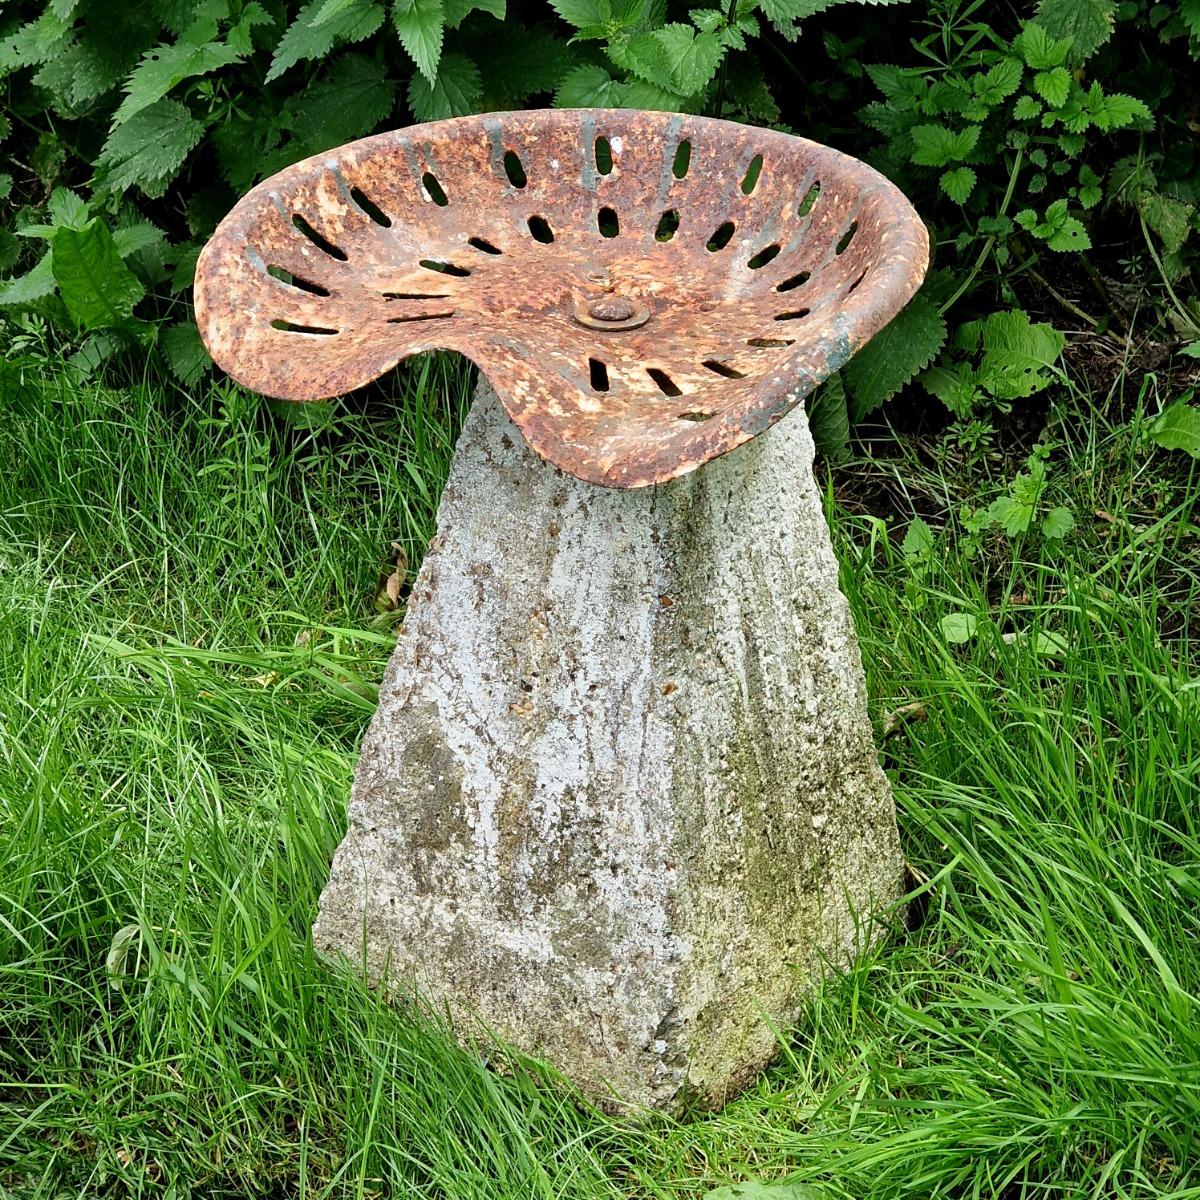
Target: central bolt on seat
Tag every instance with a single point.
(620, 802)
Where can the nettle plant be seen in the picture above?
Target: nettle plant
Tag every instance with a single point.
(1004, 143)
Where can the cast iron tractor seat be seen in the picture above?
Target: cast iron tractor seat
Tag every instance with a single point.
(644, 290)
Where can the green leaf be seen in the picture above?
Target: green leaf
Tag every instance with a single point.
(34, 42)
(184, 274)
(750, 96)
(1189, 14)
(999, 227)
(918, 541)
(1071, 144)
(650, 14)
(1075, 116)
(148, 149)
(421, 24)
(1040, 51)
(36, 231)
(303, 40)
(1026, 108)
(80, 72)
(894, 82)
(694, 57)
(640, 94)
(240, 36)
(708, 20)
(954, 386)
(457, 92)
(1017, 355)
(958, 628)
(937, 146)
(1086, 24)
(1053, 86)
(1048, 644)
(98, 289)
(889, 119)
(1057, 523)
(1090, 192)
(1060, 231)
(331, 8)
(346, 103)
(1013, 513)
(675, 59)
(456, 11)
(958, 183)
(1170, 218)
(589, 87)
(644, 56)
(95, 350)
(1070, 234)
(312, 415)
(142, 235)
(164, 67)
(67, 208)
(894, 355)
(244, 139)
(199, 18)
(1192, 350)
(1045, 643)
(829, 419)
(948, 95)
(1115, 111)
(582, 13)
(10, 251)
(517, 63)
(35, 284)
(185, 352)
(1000, 82)
(784, 13)
(1178, 428)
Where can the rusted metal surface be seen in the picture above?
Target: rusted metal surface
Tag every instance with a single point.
(644, 290)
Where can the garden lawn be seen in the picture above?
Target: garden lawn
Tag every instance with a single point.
(191, 629)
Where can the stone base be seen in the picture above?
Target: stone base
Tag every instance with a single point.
(620, 797)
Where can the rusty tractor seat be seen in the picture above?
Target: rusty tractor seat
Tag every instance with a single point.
(644, 290)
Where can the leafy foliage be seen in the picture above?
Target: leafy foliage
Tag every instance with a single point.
(96, 286)
(421, 25)
(1178, 428)
(1085, 25)
(456, 92)
(148, 150)
(1005, 357)
(164, 67)
(891, 358)
(310, 38)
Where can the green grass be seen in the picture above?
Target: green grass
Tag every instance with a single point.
(189, 638)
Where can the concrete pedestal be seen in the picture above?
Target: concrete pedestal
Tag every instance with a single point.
(620, 797)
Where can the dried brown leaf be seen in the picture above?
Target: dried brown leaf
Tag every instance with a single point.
(906, 714)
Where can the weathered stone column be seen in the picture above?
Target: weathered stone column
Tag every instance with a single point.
(620, 796)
